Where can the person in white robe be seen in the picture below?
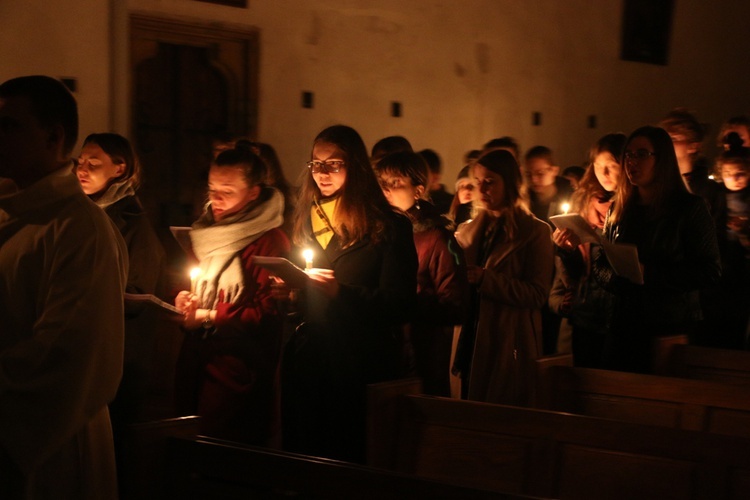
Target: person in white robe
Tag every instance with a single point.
(62, 277)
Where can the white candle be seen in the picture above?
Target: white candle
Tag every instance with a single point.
(194, 273)
(308, 255)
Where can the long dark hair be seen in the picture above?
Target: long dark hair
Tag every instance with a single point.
(362, 206)
(118, 148)
(589, 186)
(667, 180)
(503, 163)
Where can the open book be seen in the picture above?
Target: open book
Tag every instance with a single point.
(623, 257)
(284, 269)
(147, 298)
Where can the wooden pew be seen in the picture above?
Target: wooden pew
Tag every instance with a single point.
(706, 363)
(207, 469)
(649, 399)
(557, 455)
(142, 457)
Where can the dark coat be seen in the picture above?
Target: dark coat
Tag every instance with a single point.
(347, 342)
(442, 294)
(679, 254)
(134, 402)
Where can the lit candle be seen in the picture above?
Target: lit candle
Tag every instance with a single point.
(308, 255)
(565, 207)
(194, 273)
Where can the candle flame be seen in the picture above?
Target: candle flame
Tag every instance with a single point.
(195, 272)
(565, 207)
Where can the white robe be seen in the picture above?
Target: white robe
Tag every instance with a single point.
(62, 276)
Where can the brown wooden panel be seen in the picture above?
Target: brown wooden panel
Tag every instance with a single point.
(471, 455)
(594, 474)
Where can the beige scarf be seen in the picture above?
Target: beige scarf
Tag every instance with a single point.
(114, 193)
(218, 245)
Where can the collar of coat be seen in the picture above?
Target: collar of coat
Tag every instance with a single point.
(469, 237)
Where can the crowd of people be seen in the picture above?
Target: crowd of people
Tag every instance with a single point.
(408, 280)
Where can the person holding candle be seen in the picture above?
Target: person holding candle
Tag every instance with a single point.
(228, 367)
(363, 288)
(575, 295)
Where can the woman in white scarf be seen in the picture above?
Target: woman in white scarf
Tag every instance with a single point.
(228, 367)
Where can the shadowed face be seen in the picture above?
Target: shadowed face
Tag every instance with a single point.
(228, 191)
(490, 187)
(28, 151)
(640, 162)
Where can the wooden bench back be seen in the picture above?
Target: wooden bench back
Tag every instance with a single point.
(706, 363)
(649, 399)
(210, 469)
(558, 455)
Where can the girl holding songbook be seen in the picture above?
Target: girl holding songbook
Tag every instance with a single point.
(575, 294)
(361, 290)
(228, 367)
(677, 249)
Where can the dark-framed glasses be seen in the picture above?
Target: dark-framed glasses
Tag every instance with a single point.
(328, 166)
(638, 154)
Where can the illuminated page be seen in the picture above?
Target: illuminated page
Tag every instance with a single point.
(148, 298)
(578, 225)
(284, 269)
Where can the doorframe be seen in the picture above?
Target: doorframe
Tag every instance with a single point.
(243, 103)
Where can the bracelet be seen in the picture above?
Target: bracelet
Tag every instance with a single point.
(208, 322)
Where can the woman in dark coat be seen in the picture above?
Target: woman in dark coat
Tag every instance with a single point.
(363, 290)
(677, 249)
(442, 289)
(109, 173)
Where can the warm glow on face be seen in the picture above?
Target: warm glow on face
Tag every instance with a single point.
(329, 183)
(95, 169)
(735, 176)
(228, 191)
(607, 171)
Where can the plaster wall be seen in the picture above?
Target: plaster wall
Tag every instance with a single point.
(464, 71)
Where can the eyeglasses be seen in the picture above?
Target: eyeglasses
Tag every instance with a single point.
(638, 154)
(328, 166)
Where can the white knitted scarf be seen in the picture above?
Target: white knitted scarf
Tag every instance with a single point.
(218, 245)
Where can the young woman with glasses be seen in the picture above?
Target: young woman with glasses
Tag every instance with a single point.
(677, 249)
(362, 288)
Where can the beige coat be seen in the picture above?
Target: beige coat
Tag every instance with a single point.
(516, 283)
(62, 276)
